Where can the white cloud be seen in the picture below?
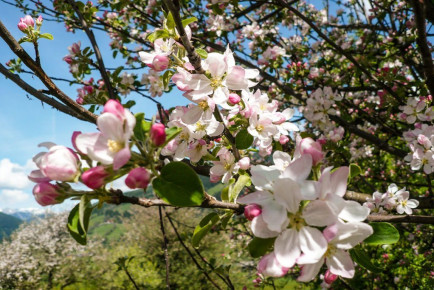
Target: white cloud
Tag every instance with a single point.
(13, 175)
(12, 197)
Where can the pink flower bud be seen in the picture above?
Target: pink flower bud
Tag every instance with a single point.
(60, 163)
(95, 177)
(234, 99)
(22, 26)
(252, 210)
(114, 107)
(68, 59)
(75, 48)
(46, 193)
(160, 62)
(283, 139)
(309, 146)
(329, 277)
(244, 163)
(158, 134)
(39, 20)
(138, 178)
(28, 20)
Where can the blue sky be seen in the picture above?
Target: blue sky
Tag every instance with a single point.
(25, 122)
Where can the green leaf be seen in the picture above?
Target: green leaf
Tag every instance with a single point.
(225, 191)
(243, 140)
(187, 21)
(179, 185)
(129, 104)
(170, 22)
(75, 228)
(138, 129)
(226, 218)
(166, 78)
(259, 247)
(202, 53)
(354, 170)
(162, 33)
(82, 208)
(384, 234)
(46, 36)
(235, 190)
(203, 228)
(363, 260)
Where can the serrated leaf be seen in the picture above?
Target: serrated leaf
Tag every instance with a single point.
(363, 260)
(82, 208)
(236, 188)
(354, 171)
(179, 185)
(162, 33)
(170, 22)
(243, 140)
(384, 234)
(259, 247)
(203, 228)
(187, 21)
(202, 53)
(46, 36)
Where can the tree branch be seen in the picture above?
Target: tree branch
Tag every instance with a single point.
(98, 56)
(40, 96)
(422, 43)
(40, 73)
(417, 219)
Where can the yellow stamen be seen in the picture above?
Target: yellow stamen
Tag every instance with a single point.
(114, 146)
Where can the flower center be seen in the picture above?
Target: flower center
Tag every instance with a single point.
(228, 166)
(200, 127)
(184, 136)
(331, 250)
(296, 221)
(259, 128)
(203, 105)
(215, 83)
(114, 146)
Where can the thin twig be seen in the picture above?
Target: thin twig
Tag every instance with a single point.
(40, 73)
(98, 56)
(166, 254)
(190, 253)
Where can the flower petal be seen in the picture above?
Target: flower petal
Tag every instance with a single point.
(312, 242)
(287, 248)
(341, 264)
(354, 212)
(318, 213)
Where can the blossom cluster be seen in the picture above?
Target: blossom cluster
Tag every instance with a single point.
(105, 152)
(421, 143)
(311, 222)
(393, 199)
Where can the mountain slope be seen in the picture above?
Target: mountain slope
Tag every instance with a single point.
(8, 224)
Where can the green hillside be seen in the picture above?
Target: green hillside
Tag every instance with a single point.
(8, 224)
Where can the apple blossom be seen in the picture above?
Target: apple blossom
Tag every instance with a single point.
(46, 193)
(138, 178)
(158, 134)
(111, 146)
(95, 177)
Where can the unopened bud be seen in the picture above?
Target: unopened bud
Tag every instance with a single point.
(46, 193)
(95, 177)
(244, 163)
(252, 210)
(329, 277)
(138, 178)
(234, 99)
(158, 134)
(160, 62)
(39, 20)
